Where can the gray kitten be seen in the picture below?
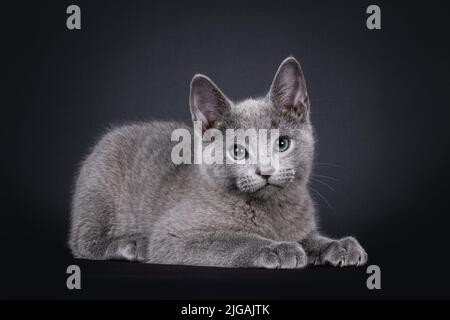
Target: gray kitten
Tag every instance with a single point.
(132, 202)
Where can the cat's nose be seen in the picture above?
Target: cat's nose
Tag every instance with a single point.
(265, 170)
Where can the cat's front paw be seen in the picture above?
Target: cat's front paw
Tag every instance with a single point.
(286, 255)
(344, 252)
(131, 247)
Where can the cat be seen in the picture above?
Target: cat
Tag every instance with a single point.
(131, 202)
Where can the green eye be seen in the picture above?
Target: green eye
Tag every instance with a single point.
(238, 152)
(282, 144)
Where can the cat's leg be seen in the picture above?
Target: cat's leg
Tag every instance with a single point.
(91, 236)
(226, 249)
(342, 252)
(94, 246)
(131, 247)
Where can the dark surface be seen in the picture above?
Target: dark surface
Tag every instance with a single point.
(380, 107)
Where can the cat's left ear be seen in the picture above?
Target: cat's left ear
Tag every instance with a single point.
(288, 90)
(208, 104)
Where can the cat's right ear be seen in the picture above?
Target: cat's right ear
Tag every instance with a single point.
(207, 103)
(288, 90)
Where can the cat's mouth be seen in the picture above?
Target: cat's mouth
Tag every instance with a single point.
(265, 190)
(273, 184)
(262, 184)
(269, 184)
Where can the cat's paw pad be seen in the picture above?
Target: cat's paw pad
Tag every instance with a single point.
(286, 255)
(344, 252)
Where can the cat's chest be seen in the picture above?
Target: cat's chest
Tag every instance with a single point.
(283, 222)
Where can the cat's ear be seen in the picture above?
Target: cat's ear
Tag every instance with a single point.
(207, 102)
(288, 90)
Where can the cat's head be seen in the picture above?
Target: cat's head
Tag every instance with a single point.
(285, 107)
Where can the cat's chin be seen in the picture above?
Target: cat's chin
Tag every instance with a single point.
(267, 191)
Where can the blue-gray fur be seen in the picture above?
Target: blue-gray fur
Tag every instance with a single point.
(131, 202)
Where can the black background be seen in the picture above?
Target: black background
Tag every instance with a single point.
(379, 105)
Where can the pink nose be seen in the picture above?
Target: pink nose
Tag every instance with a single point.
(265, 170)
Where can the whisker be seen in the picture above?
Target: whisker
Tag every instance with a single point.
(327, 164)
(323, 176)
(322, 197)
(324, 183)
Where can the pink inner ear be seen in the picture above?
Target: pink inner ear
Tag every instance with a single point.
(207, 102)
(289, 87)
(299, 97)
(207, 109)
(289, 90)
(198, 115)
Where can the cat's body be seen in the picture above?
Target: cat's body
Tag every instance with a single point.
(132, 202)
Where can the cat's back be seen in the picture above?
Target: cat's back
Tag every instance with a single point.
(128, 156)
